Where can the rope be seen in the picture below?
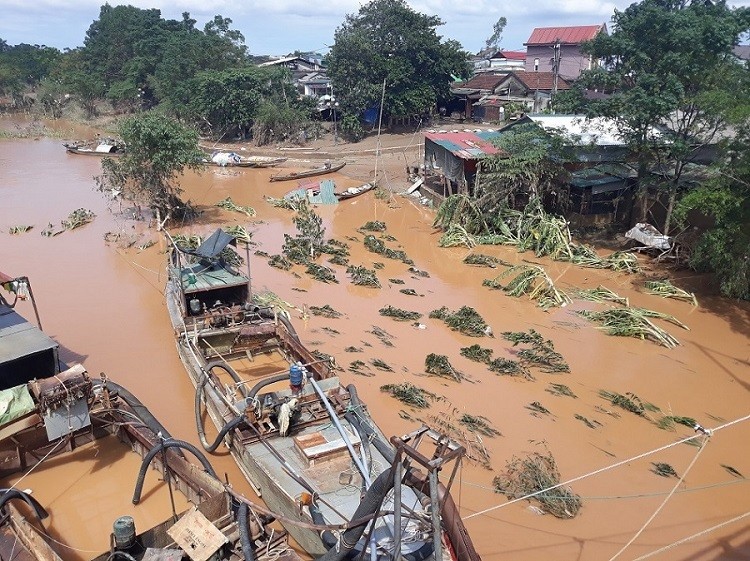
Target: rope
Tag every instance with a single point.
(708, 432)
(696, 535)
(664, 502)
(47, 455)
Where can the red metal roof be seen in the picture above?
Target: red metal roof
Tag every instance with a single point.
(541, 80)
(466, 145)
(566, 35)
(510, 55)
(483, 81)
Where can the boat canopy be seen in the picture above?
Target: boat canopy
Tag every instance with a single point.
(25, 351)
(213, 245)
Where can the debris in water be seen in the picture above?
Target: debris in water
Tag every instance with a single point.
(466, 320)
(634, 322)
(396, 281)
(585, 421)
(240, 233)
(14, 230)
(398, 314)
(439, 365)
(668, 422)
(383, 335)
(321, 273)
(375, 245)
(534, 281)
(533, 474)
(601, 294)
(561, 390)
(373, 226)
(629, 402)
(733, 472)
(537, 409)
(509, 367)
(353, 349)
(418, 272)
(410, 394)
(479, 424)
(363, 276)
(482, 260)
(326, 311)
(381, 365)
(456, 235)
(229, 204)
(542, 353)
(666, 289)
(192, 241)
(280, 262)
(77, 218)
(663, 469)
(331, 331)
(477, 353)
(356, 366)
(408, 291)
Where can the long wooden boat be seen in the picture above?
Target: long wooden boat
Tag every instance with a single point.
(53, 414)
(232, 159)
(101, 149)
(308, 172)
(352, 192)
(304, 441)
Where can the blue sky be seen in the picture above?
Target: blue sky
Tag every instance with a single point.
(282, 26)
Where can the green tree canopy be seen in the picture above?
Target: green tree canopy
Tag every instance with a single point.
(158, 150)
(387, 41)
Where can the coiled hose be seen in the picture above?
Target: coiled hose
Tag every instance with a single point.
(199, 421)
(11, 494)
(163, 446)
(245, 539)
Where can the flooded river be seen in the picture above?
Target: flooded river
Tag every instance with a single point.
(104, 303)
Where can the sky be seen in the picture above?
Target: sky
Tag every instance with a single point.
(280, 27)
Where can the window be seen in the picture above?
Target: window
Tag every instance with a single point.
(536, 65)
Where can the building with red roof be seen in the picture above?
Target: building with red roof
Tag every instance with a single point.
(558, 49)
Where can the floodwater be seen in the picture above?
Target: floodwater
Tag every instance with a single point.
(104, 303)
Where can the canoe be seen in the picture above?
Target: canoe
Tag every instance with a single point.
(232, 159)
(306, 443)
(101, 149)
(307, 173)
(352, 192)
(56, 417)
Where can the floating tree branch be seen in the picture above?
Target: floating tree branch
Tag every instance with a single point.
(229, 204)
(465, 320)
(666, 289)
(398, 314)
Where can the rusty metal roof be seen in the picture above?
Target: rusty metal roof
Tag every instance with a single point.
(466, 145)
(574, 35)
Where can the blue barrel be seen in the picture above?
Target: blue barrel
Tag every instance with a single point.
(295, 375)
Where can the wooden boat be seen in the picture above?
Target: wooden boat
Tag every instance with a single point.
(232, 159)
(352, 192)
(307, 173)
(304, 441)
(107, 147)
(53, 415)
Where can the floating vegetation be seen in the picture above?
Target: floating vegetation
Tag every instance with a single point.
(378, 265)
(269, 299)
(398, 314)
(622, 261)
(418, 272)
(471, 440)
(456, 235)
(356, 367)
(339, 260)
(375, 245)
(15, 230)
(353, 350)
(585, 421)
(396, 281)
(326, 311)
(537, 409)
(410, 394)
(310, 239)
(482, 260)
(662, 469)
(229, 204)
(466, 320)
(145, 245)
(509, 367)
(373, 226)
(331, 330)
(629, 402)
(601, 294)
(321, 273)
(479, 424)
(78, 218)
(363, 276)
(291, 203)
(381, 365)
(383, 335)
(460, 210)
(280, 262)
(535, 475)
(240, 233)
(666, 289)
(335, 247)
(439, 365)
(733, 472)
(634, 322)
(408, 291)
(261, 253)
(541, 354)
(531, 280)
(477, 353)
(561, 390)
(668, 422)
(325, 357)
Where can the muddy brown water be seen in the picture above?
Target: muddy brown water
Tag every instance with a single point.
(104, 303)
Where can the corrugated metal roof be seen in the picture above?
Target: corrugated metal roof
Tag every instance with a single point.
(510, 55)
(566, 35)
(541, 80)
(466, 145)
(483, 82)
(598, 131)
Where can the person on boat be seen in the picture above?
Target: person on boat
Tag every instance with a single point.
(328, 164)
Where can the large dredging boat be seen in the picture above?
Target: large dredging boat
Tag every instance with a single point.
(51, 415)
(305, 442)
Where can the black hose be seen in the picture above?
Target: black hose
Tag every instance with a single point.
(263, 383)
(229, 370)
(234, 423)
(146, 417)
(10, 494)
(245, 539)
(329, 540)
(158, 448)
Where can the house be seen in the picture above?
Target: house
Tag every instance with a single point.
(450, 159)
(308, 75)
(558, 49)
(501, 61)
(486, 95)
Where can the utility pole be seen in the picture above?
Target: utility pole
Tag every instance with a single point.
(555, 66)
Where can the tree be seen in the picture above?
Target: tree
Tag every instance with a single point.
(158, 150)
(658, 63)
(493, 43)
(388, 42)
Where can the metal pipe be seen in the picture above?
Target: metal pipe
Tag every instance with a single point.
(399, 466)
(435, 511)
(342, 432)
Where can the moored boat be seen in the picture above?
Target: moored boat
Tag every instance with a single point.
(53, 415)
(327, 168)
(232, 159)
(352, 192)
(304, 441)
(102, 148)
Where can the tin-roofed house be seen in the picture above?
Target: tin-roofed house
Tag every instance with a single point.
(450, 159)
(558, 49)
